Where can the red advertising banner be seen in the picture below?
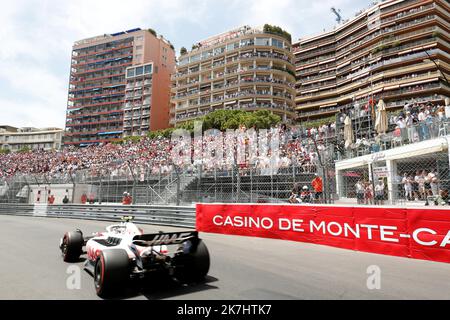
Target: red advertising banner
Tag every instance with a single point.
(404, 232)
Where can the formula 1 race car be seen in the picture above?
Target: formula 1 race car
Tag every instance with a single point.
(124, 252)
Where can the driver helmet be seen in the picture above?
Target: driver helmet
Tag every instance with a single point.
(305, 188)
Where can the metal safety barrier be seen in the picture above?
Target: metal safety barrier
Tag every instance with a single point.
(175, 216)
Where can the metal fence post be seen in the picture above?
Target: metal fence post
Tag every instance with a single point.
(100, 192)
(251, 184)
(178, 184)
(215, 184)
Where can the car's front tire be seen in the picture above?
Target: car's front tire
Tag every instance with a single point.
(72, 246)
(111, 273)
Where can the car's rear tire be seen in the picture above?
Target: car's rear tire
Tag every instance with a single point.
(194, 265)
(72, 246)
(112, 272)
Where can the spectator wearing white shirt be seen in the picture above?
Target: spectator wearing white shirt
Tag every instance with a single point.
(447, 108)
(407, 185)
(422, 117)
(379, 192)
(401, 123)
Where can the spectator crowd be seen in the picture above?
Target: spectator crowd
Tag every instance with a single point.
(299, 146)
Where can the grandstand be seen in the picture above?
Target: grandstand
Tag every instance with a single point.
(145, 168)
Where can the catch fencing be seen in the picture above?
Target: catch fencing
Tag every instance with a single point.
(419, 180)
(201, 184)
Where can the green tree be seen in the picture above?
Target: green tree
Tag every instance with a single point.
(166, 133)
(233, 119)
(153, 32)
(278, 31)
(25, 149)
(133, 139)
(183, 51)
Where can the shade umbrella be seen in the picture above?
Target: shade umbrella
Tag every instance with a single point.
(381, 121)
(348, 131)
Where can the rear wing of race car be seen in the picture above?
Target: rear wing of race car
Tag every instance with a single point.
(159, 239)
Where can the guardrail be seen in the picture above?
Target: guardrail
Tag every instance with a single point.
(175, 216)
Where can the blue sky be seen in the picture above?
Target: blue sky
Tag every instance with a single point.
(37, 35)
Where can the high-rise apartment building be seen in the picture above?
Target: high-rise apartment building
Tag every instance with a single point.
(245, 69)
(397, 51)
(119, 86)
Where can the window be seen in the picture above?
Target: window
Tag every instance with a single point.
(219, 50)
(139, 71)
(277, 43)
(247, 42)
(207, 54)
(195, 58)
(184, 61)
(148, 69)
(230, 47)
(138, 48)
(130, 73)
(262, 41)
(138, 57)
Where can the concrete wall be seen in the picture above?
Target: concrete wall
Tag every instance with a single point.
(40, 193)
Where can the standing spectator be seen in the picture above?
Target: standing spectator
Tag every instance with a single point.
(410, 127)
(317, 185)
(427, 183)
(415, 188)
(401, 123)
(434, 183)
(422, 118)
(419, 180)
(447, 108)
(360, 190)
(379, 192)
(368, 193)
(407, 185)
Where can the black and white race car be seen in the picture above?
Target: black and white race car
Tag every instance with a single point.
(124, 252)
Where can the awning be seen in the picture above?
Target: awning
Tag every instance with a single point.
(392, 87)
(328, 105)
(105, 133)
(418, 82)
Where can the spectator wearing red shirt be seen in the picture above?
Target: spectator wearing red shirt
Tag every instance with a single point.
(317, 185)
(127, 199)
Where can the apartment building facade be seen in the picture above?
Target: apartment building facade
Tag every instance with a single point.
(397, 50)
(243, 69)
(15, 139)
(105, 101)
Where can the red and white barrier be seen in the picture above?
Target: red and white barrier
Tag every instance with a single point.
(404, 232)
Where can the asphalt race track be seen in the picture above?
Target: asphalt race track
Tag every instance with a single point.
(31, 267)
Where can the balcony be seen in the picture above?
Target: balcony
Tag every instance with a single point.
(246, 56)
